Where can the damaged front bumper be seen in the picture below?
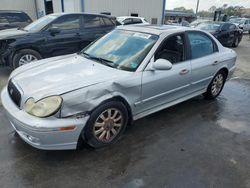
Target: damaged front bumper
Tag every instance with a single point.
(43, 133)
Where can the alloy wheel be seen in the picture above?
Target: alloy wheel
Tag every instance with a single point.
(27, 58)
(108, 125)
(217, 84)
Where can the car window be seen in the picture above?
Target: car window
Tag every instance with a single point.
(108, 22)
(136, 21)
(92, 21)
(232, 27)
(67, 22)
(172, 49)
(128, 21)
(15, 17)
(201, 44)
(225, 27)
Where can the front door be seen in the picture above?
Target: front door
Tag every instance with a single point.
(160, 87)
(67, 40)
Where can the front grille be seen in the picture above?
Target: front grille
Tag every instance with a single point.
(14, 93)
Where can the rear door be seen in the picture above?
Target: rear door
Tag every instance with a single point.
(67, 41)
(204, 59)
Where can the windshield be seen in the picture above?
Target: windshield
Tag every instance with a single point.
(121, 49)
(208, 26)
(40, 23)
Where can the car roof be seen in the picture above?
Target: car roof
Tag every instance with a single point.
(155, 29)
(125, 17)
(80, 13)
(11, 11)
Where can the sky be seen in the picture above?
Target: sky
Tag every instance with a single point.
(205, 4)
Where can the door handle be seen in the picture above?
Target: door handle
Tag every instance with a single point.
(184, 71)
(216, 63)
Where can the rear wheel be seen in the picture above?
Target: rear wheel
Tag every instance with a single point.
(106, 124)
(25, 56)
(215, 87)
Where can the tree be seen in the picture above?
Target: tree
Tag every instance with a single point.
(183, 9)
(180, 9)
(212, 9)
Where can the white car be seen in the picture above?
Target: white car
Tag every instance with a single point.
(242, 23)
(129, 20)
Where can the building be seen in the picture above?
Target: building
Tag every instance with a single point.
(179, 16)
(152, 10)
(27, 6)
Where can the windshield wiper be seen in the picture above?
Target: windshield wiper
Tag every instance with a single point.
(100, 60)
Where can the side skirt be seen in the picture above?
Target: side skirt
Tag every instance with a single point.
(167, 105)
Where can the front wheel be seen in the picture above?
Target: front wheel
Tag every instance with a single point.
(215, 87)
(106, 124)
(25, 56)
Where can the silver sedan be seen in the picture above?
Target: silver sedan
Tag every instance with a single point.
(128, 74)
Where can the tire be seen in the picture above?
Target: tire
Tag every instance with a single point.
(211, 93)
(25, 54)
(236, 42)
(96, 130)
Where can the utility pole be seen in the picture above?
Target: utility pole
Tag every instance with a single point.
(197, 7)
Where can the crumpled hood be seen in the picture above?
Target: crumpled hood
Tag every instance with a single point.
(59, 75)
(10, 33)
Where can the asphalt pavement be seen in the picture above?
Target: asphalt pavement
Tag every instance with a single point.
(195, 144)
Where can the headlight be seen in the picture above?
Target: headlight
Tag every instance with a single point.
(43, 108)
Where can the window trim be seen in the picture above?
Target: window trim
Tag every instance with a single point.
(215, 46)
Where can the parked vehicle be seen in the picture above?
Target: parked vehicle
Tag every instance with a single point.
(183, 23)
(227, 33)
(128, 74)
(242, 23)
(198, 22)
(129, 20)
(13, 19)
(52, 35)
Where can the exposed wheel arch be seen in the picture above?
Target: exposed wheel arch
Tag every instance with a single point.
(225, 70)
(120, 99)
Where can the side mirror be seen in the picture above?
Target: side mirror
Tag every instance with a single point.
(54, 30)
(162, 64)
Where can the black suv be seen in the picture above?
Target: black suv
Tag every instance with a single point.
(13, 19)
(52, 35)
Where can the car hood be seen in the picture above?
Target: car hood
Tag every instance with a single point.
(60, 75)
(10, 33)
